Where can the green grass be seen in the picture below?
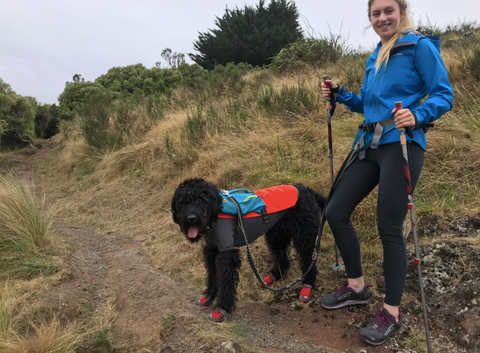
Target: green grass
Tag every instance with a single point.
(102, 339)
(236, 329)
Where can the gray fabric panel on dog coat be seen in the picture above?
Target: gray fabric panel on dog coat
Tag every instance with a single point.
(224, 232)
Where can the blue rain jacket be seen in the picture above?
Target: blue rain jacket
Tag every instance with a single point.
(415, 70)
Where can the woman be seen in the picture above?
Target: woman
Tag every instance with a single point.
(404, 67)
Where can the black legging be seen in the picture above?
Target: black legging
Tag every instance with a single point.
(382, 167)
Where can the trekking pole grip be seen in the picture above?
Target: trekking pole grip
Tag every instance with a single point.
(403, 139)
(329, 98)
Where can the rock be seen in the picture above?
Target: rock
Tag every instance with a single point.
(381, 281)
(166, 349)
(230, 347)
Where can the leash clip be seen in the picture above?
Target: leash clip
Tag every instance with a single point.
(224, 192)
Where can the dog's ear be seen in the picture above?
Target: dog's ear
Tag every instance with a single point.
(215, 204)
(174, 206)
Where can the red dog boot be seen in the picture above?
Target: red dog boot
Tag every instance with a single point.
(269, 280)
(204, 301)
(217, 316)
(305, 293)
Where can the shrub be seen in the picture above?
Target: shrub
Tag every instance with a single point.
(351, 68)
(195, 128)
(474, 63)
(97, 127)
(295, 100)
(192, 75)
(138, 80)
(310, 51)
(109, 123)
(226, 79)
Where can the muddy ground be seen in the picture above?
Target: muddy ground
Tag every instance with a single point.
(154, 313)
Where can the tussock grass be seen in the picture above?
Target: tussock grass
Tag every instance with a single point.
(7, 307)
(47, 336)
(24, 230)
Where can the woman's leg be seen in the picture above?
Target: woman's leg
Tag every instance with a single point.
(358, 180)
(391, 212)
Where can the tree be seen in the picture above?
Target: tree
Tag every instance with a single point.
(73, 96)
(76, 78)
(17, 114)
(137, 79)
(253, 35)
(46, 121)
(173, 59)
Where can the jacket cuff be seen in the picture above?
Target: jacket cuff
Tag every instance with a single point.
(416, 121)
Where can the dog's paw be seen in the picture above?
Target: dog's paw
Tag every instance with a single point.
(268, 280)
(305, 293)
(217, 316)
(203, 302)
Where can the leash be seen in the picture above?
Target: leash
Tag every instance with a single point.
(251, 261)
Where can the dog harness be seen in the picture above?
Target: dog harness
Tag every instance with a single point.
(275, 198)
(223, 233)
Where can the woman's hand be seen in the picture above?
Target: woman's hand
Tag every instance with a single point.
(326, 90)
(404, 118)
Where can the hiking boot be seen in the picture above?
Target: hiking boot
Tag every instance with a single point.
(346, 295)
(203, 302)
(384, 326)
(217, 316)
(268, 280)
(305, 293)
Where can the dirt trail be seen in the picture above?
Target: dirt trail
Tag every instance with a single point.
(111, 268)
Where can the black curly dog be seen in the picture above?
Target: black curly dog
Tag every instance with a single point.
(196, 204)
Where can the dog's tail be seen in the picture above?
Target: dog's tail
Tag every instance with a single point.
(320, 199)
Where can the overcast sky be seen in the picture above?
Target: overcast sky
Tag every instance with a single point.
(43, 43)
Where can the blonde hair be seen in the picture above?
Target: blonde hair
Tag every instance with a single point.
(406, 22)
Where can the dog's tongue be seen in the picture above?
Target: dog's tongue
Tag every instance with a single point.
(192, 232)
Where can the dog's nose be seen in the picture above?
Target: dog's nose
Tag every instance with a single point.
(191, 219)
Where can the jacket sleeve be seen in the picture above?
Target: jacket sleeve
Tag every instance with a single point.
(353, 101)
(433, 73)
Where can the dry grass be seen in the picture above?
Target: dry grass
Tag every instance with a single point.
(42, 335)
(20, 218)
(24, 230)
(48, 336)
(7, 307)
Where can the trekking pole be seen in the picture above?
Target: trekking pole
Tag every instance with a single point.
(337, 266)
(403, 142)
